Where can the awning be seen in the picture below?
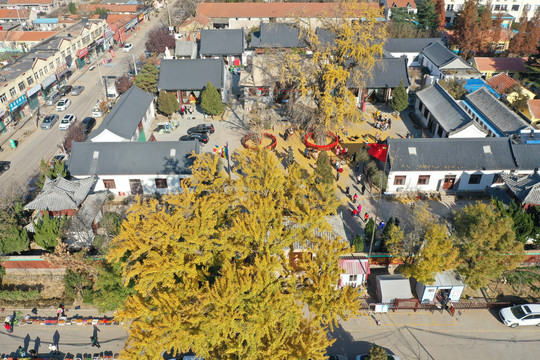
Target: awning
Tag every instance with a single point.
(48, 81)
(131, 24)
(33, 90)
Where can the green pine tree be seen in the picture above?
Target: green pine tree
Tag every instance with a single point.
(400, 99)
(323, 171)
(13, 237)
(211, 100)
(148, 78)
(368, 230)
(72, 8)
(57, 169)
(167, 103)
(48, 231)
(427, 15)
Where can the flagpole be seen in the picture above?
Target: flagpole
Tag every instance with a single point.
(378, 205)
(228, 161)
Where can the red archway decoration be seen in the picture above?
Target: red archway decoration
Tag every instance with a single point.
(333, 144)
(253, 137)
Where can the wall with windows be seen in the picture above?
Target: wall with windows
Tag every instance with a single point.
(427, 181)
(149, 184)
(513, 7)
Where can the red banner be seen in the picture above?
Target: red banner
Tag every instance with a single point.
(82, 52)
(378, 151)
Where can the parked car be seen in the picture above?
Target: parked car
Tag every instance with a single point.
(89, 123)
(77, 90)
(128, 47)
(52, 98)
(527, 314)
(67, 121)
(63, 104)
(49, 121)
(96, 112)
(202, 129)
(4, 166)
(203, 138)
(64, 90)
(60, 158)
(337, 357)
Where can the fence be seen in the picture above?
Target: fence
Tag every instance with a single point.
(415, 305)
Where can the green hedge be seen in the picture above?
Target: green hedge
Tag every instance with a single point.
(19, 295)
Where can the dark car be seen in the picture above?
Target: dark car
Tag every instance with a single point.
(203, 138)
(202, 129)
(66, 89)
(4, 166)
(89, 123)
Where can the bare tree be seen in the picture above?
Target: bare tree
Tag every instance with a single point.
(76, 133)
(159, 39)
(123, 84)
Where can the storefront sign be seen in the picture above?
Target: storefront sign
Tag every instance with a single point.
(33, 90)
(48, 81)
(2, 112)
(140, 17)
(131, 24)
(82, 52)
(17, 103)
(62, 69)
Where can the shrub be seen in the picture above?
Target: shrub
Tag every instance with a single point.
(371, 168)
(323, 171)
(379, 179)
(368, 230)
(19, 295)
(358, 243)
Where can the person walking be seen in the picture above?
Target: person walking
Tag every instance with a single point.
(366, 217)
(359, 179)
(337, 176)
(354, 212)
(359, 208)
(363, 188)
(53, 349)
(354, 157)
(381, 225)
(354, 198)
(347, 191)
(357, 167)
(94, 341)
(389, 123)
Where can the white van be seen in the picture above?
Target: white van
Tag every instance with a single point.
(52, 98)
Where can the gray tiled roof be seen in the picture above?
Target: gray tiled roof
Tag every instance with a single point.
(388, 72)
(527, 156)
(409, 45)
(190, 74)
(126, 114)
(451, 154)
(61, 194)
(526, 189)
(137, 158)
(185, 48)
(438, 54)
(504, 119)
(443, 107)
(222, 42)
(277, 35)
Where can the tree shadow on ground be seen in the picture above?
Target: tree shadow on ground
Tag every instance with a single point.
(346, 345)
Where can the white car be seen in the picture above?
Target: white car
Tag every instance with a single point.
(128, 47)
(67, 121)
(527, 314)
(63, 104)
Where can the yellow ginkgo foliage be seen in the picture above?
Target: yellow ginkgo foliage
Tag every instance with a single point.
(211, 270)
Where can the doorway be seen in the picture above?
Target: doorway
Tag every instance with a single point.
(136, 187)
(449, 181)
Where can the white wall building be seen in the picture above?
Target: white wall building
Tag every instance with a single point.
(409, 48)
(134, 168)
(356, 271)
(512, 7)
(458, 164)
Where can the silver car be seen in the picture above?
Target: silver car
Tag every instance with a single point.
(77, 90)
(49, 121)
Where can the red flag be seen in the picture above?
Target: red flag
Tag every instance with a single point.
(378, 151)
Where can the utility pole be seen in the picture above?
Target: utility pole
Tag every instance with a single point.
(169, 15)
(102, 80)
(134, 65)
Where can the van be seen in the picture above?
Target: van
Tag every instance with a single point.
(52, 98)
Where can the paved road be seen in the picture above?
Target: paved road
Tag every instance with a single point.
(475, 334)
(38, 144)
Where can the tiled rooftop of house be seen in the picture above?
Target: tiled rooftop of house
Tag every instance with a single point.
(500, 64)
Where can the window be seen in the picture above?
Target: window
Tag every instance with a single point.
(109, 184)
(527, 7)
(12, 91)
(30, 80)
(504, 7)
(73, 48)
(51, 65)
(450, 7)
(497, 179)
(36, 76)
(21, 86)
(475, 178)
(399, 180)
(423, 179)
(40, 72)
(58, 62)
(161, 183)
(64, 53)
(45, 70)
(3, 98)
(515, 7)
(68, 51)
(353, 278)
(497, 8)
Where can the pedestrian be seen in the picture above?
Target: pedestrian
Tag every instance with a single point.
(359, 208)
(347, 190)
(53, 349)
(58, 311)
(34, 311)
(337, 176)
(94, 341)
(357, 167)
(366, 217)
(21, 352)
(354, 198)
(363, 188)
(354, 212)
(389, 123)
(286, 135)
(354, 158)
(359, 179)
(306, 152)
(63, 310)
(381, 225)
